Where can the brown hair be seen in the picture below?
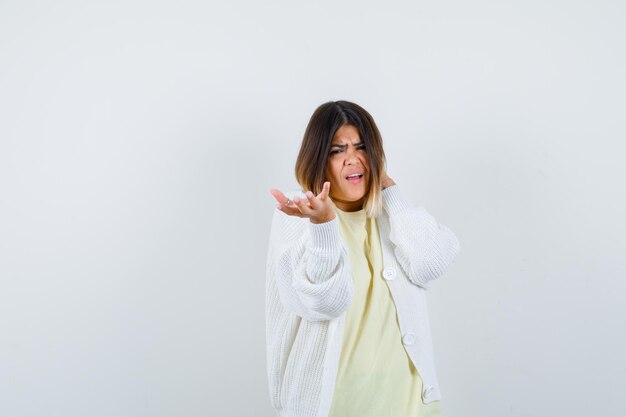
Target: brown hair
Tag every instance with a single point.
(313, 156)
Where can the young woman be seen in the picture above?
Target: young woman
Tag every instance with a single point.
(348, 264)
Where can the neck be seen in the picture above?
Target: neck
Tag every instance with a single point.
(348, 205)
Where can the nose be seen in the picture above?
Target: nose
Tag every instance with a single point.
(351, 155)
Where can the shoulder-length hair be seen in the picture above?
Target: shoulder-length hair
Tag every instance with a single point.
(315, 149)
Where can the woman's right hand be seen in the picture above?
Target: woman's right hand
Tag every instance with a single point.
(319, 209)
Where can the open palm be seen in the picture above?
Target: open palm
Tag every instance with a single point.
(318, 209)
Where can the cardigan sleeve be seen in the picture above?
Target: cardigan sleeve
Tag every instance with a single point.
(310, 266)
(424, 248)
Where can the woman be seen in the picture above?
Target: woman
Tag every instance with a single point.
(347, 268)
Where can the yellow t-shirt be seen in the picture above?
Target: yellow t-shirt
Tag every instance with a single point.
(375, 377)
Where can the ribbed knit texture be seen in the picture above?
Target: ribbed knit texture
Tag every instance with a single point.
(425, 254)
(309, 287)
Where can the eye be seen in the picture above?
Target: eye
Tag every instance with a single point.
(334, 152)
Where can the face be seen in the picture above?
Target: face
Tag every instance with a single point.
(348, 157)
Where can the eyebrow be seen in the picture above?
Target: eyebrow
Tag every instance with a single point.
(344, 146)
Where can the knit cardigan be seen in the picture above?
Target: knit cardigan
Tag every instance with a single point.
(309, 288)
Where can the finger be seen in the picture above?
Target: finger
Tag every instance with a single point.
(289, 211)
(285, 201)
(312, 200)
(300, 198)
(325, 190)
(280, 197)
(289, 207)
(303, 206)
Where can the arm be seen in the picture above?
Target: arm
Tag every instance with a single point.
(310, 266)
(424, 248)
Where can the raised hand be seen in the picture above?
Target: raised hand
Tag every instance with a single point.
(319, 209)
(385, 181)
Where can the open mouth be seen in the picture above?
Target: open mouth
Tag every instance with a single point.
(354, 177)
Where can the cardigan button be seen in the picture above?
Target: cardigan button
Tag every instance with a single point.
(408, 338)
(389, 273)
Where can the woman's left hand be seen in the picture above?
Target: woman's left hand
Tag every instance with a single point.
(386, 181)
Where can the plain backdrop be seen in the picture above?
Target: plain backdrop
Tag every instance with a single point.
(139, 141)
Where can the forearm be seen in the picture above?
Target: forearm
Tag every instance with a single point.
(312, 271)
(423, 247)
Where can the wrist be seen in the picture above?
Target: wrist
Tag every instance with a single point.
(323, 220)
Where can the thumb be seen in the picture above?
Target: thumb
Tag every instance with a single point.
(325, 190)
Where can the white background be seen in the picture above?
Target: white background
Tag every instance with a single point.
(138, 142)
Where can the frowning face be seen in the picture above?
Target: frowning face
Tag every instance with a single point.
(347, 170)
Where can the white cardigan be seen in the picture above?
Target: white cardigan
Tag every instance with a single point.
(309, 287)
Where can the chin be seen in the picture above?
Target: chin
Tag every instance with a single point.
(352, 195)
(356, 197)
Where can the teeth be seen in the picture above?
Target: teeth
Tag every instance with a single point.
(354, 176)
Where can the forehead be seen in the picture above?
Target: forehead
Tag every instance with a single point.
(346, 134)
